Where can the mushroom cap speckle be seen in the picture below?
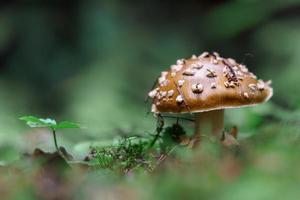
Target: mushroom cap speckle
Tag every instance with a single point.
(207, 82)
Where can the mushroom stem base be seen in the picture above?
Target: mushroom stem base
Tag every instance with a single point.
(211, 122)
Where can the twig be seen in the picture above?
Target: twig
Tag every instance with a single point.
(186, 105)
(164, 156)
(184, 118)
(159, 127)
(147, 97)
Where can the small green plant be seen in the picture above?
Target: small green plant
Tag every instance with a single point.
(138, 152)
(129, 153)
(35, 122)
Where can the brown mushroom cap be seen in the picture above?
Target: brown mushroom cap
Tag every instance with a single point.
(207, 82)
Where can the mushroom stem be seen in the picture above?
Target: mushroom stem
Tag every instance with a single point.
(211, 122)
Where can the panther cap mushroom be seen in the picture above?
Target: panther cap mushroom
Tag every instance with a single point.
(206, 85)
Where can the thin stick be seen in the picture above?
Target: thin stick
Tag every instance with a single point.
(184, 118)
(55, 141)
(159, 127)
(147, 97)
(179, 91)
(164, 156)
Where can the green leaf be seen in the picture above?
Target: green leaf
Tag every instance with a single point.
(66, 125)
(35, 122)
(30, 118)
(48, 121)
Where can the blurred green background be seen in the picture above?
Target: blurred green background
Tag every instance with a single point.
(94, 62)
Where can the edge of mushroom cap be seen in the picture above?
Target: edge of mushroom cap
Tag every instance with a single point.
(224, 107)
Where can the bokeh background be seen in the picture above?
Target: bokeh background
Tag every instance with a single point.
(94, 62)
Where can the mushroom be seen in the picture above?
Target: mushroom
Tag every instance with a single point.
(209, 90)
